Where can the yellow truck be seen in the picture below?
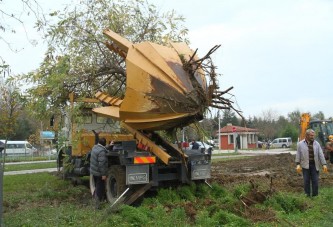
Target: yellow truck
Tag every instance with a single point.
(166, 88)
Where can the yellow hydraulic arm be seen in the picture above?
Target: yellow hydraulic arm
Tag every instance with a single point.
(155, 149)
(304, 124)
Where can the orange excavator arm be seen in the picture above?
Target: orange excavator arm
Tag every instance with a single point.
(304, 124)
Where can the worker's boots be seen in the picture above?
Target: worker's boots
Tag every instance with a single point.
(97, 202)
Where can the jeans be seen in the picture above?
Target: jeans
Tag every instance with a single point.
(100, 188)
(311, 176)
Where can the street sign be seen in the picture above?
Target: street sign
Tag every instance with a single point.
(47, 135)
(233, 129)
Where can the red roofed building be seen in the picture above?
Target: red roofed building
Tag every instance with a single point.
(247, 137)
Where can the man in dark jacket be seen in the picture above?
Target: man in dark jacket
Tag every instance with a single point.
(99, 168)
(195, 145)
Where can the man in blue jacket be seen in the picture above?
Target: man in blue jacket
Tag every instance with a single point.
(99, 168)
(309, 157)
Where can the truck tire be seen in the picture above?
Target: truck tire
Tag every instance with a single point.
(115, 183)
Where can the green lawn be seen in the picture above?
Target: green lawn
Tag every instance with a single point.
(43, 199)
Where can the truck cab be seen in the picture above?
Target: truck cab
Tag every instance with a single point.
(323, 129)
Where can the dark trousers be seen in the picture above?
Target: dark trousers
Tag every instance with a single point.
(311, 176)
(100, 188)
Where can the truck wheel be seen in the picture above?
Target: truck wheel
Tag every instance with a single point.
(284, 146)
(115, 183)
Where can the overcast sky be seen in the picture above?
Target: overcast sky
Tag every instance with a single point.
(278, 54)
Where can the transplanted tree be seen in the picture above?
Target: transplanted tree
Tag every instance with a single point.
(78, 60)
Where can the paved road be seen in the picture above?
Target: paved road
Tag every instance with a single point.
(241, 153)
(250, 152)
(31, 162)
(30, 171)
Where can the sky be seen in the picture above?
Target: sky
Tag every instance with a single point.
(277, 54)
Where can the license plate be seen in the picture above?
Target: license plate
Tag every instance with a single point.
(137, 178)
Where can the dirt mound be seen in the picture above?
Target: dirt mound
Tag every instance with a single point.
(278, 170)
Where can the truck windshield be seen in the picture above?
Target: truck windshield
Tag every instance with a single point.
(327, 127)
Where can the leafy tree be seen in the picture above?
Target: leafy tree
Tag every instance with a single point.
(267, 124)
(78, 60)
(25, 126)
(15, 120)
(320, 116)
(10, 105)
(290, 131)
(229, 116)
(280, 125)
(294, 117)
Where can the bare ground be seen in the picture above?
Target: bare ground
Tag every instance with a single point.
(280, 169)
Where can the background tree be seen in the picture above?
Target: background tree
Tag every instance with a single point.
(280, 124)
(319, 116)
(294, 118)
(26, 126)
(229, 116)
(290, 131)
(9, 108)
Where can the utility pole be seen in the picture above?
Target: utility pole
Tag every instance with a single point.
(219, 132)
(2, 169)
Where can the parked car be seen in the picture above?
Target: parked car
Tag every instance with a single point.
(18, 147)
(202, 145)
(260, 144)
(281, 142)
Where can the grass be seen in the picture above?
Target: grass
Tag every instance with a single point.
(44, 199)
(30, 166)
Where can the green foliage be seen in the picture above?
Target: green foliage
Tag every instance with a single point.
(135, 216)
(288, 203)
(187, 192)
(241, 189)
(290, 131)
(229, 116)
(204, 219)
(167, 196)
(218, 191)
(229, 219)
(10, 106)
(160, 216)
